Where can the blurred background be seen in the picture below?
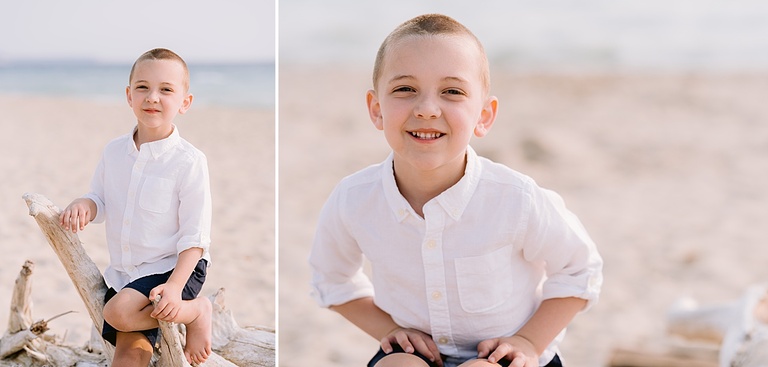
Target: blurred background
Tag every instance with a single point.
(647, 117)
(64, 67)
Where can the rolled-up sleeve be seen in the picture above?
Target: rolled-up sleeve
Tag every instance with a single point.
(557, 238)
(195, 206)
(336, 260)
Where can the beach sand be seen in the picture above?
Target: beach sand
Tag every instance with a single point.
(51, 146)
(667, 173)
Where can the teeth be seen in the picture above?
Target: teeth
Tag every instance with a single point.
(425, 135)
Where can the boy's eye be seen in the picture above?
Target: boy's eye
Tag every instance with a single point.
(141, 87)
(453, 91)
(167, 90)
(404, 89)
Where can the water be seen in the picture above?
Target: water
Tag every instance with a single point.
(240, 85)
(613, 35)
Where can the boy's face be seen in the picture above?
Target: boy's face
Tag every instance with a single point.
(430, 100)
(157, 93)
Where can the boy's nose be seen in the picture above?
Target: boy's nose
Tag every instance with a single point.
(152, 97)
(426, 108)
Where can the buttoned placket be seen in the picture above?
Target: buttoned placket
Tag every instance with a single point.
(434, 272)
(133, 186)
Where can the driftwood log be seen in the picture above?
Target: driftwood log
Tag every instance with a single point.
(232, 345)
(25, 344)
(733, 334)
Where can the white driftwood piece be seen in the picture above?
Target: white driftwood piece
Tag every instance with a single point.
(24, 344)
(741, 328)
(90, 285)
(249, 346)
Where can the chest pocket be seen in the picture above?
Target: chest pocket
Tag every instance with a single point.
(485, 282)
(156, 194)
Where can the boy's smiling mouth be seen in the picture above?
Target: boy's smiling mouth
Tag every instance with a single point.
(423, 135)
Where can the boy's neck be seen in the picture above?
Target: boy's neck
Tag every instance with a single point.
(146, 135)
(419, 187)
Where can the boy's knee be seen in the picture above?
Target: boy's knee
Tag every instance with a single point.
(115, 316)
(478, 363)
(401, 360)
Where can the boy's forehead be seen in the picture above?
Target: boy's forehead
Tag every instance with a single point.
(412, 52)
(169, 70)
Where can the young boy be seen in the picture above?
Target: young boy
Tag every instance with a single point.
(152, 189)
(472, 263)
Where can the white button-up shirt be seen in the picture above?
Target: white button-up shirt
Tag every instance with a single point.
(476, 266)
(156, 203)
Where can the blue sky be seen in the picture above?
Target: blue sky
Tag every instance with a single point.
(119, 31)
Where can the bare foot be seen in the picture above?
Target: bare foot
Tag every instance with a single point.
(198, 346)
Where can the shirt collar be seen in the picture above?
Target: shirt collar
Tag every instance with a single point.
(454, 200)
(157, 147)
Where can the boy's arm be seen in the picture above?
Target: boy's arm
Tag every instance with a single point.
(170, 292)
(364, 314)
(532, 339)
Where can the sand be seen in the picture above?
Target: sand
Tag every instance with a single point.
(666, 171)
(52, 145)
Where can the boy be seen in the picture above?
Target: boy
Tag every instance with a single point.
(152, 189)
(472, 263)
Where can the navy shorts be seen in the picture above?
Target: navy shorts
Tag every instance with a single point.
(396, 349)
(145, 285)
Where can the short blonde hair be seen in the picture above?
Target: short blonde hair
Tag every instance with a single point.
(162, 54)
(431, 24)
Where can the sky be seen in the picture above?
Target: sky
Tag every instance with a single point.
(727, 35)
(230, 31)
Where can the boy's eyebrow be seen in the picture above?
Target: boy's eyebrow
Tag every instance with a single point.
(400, 77)
(161, 83)
(397, 78)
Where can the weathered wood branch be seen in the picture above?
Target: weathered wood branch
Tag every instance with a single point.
(91, 287)
(20, 317)
(83, 272)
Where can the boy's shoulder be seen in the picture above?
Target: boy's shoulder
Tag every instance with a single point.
(364, 176)
(503, 174)
(119, 142)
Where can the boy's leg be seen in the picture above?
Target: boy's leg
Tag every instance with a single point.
(401, 360)
(132, 349)
(129, 310)
(195, 314)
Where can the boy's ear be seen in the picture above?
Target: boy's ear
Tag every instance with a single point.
(487, 117)
(374, 109)
(128, 96)
(186, 104)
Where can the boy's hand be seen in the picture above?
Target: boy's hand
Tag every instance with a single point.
(78, 214)
(170, 302)
(516, 348)
(410, 340)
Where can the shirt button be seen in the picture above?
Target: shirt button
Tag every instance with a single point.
(127, 222)
(431, 244)
(443, 340)
(401, 212)
(436, 295)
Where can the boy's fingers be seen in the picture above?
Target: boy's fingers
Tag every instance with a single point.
(500, 352)
(518, 361)
(386, 345)
(485, 347)
(402, 339)
(421, 347)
